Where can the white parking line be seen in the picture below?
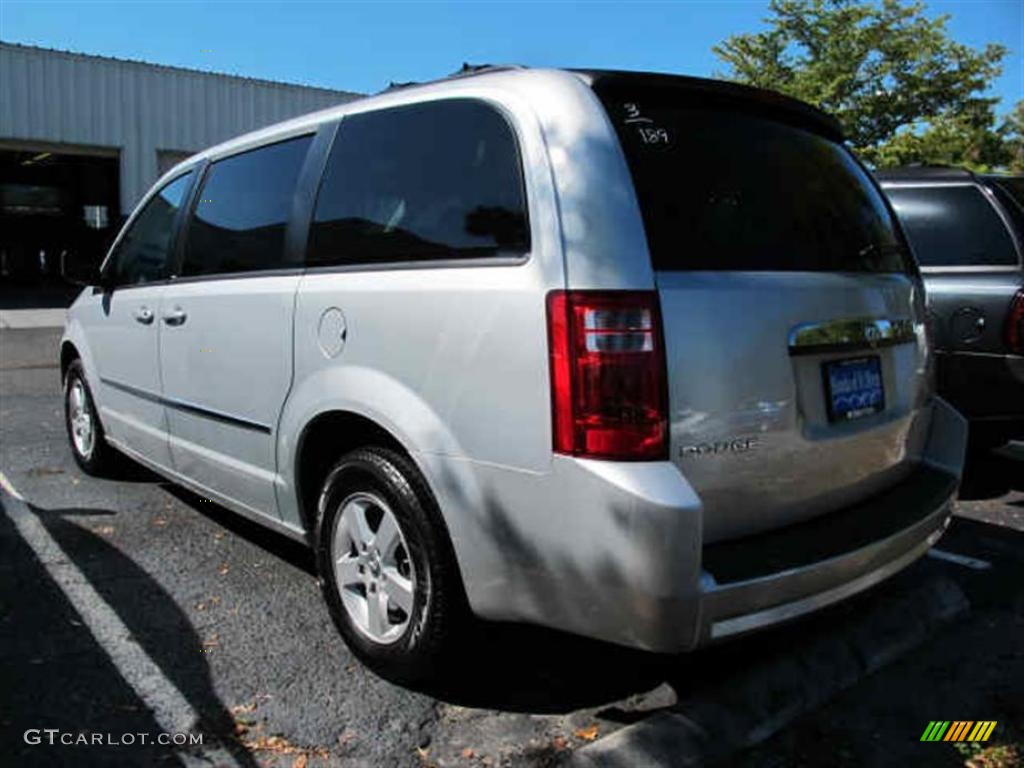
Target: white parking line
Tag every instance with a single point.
(967, 562)
(6, 485)
(169, 706)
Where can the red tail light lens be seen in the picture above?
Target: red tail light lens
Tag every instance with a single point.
(1015, 325)
(608, 381)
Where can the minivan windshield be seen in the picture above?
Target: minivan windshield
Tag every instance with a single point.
(731, 189)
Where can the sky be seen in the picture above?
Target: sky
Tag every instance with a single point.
(363, 46)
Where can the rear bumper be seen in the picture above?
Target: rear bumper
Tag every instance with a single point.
(614, 551)
(763, 580)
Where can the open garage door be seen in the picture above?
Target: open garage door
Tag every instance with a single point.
(53, 202)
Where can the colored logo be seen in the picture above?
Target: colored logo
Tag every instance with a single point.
(958, 730)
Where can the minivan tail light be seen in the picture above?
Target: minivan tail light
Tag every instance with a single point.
(1015, 325)
(608, 380)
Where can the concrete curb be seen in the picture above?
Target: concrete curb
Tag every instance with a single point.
(18, 319)
(749, 707)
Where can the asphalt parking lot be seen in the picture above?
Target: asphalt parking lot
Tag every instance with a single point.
(179, 609)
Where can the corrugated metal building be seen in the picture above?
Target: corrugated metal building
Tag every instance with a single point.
(83, 136)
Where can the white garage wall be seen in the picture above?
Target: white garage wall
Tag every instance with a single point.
(139, 108)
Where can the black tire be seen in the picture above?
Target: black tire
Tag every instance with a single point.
(438, 602)
(101, 460)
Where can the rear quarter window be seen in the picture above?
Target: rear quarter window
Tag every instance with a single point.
(953, 226)
(434, 181)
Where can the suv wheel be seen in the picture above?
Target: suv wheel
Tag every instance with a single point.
(385, 563)
(85, 432)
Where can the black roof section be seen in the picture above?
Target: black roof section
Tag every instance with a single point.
(925, 173)
(720, 93)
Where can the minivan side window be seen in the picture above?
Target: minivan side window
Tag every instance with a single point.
(141, 254)
(440, 180)
(242, 211)
(953, 226)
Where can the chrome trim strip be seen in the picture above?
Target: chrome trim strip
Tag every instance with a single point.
(196, 410)
(779, 613)
(849, 334)
(905, 183)
(981, 269)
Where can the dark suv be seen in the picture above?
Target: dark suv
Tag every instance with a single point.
(967, 232)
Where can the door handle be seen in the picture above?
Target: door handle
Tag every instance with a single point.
(176, 317)
(144, 315)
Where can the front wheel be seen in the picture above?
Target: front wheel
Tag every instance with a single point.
(85, 432)
(385, 562)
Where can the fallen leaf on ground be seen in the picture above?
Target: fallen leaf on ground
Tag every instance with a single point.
(996, 756)
(560, 743)
(346, 738)
(468, 753)
(223, 570)
(301, 761)
(243, 709)
(43, 471)
(587, 734)
(281, 746)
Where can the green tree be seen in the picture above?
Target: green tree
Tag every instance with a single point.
(902, 89)
(1012, 131)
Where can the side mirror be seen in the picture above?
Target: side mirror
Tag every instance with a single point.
(78, 271)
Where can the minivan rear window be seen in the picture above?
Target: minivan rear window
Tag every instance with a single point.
(729, 189)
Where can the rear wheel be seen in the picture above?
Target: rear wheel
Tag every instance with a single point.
(385, 563)
(85, 432)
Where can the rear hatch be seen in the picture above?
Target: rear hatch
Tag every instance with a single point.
(792, 312)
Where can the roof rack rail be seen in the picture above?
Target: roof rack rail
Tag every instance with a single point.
(393, 86)
(466, 70)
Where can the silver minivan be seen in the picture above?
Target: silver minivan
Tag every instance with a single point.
(638, 357)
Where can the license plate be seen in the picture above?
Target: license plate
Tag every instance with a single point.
(853, 388)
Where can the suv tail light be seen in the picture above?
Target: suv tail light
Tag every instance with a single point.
(608, 380)
(1015, 325)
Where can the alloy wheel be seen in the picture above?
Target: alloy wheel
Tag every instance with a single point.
(373, 569)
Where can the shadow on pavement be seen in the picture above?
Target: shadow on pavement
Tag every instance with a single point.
(58, 676)
(277, 544)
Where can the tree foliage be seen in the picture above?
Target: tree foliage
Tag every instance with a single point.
(902, 89)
